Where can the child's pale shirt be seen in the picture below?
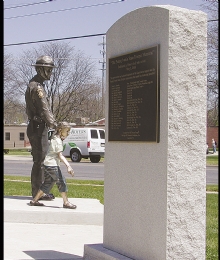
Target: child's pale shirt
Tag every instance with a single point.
(56, 146)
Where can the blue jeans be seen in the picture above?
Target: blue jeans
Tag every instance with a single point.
(52, 175)
(214, 149)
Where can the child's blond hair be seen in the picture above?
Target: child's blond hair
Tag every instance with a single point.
(60, 126)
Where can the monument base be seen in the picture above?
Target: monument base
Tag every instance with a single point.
(98, 252)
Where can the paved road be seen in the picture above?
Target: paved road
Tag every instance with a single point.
(212, 175)
(21, 165)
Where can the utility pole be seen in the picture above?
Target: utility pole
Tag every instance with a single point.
(103, 71)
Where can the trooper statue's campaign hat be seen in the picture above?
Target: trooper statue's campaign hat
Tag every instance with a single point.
(44, 61)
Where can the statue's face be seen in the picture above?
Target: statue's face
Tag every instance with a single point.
(45, 72)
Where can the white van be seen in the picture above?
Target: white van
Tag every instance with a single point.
(85, 143)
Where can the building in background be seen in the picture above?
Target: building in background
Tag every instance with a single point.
(15, 135)
(212, 132)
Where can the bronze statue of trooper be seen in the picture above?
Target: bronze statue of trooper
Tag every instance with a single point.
(40, 120)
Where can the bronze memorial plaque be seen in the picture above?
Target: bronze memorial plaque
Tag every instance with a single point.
(134, 96)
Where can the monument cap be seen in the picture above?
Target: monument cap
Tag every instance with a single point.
(44, 61)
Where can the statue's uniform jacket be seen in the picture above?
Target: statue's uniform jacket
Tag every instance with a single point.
(36, 102)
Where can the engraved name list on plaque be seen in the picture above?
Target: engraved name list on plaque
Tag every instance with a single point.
(134, 96)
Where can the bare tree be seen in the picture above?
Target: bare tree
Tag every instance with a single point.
(14, 112)
(73, 84)
(13, 109)
(211, 6)
(8, 76)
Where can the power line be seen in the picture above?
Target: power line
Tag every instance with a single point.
(60, 39)
(18, 6)
(216, 20)
(68, 9)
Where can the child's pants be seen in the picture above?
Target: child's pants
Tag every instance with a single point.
(52, 175)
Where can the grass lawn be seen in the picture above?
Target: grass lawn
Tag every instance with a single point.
(212, 227)
(212, 160)
(14, 185)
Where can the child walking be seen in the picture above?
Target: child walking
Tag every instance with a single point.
(52, 171)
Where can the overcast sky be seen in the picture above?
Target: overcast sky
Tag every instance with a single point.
(38, 20)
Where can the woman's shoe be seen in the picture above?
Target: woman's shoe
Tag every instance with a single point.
(51, 195)
(47, 197)
(69, 205)
(35, 203)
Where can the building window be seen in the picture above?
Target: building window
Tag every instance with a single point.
(7, 136)
(21, 136)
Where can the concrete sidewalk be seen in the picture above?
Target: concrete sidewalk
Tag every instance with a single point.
(211, 153)
(50, 232)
